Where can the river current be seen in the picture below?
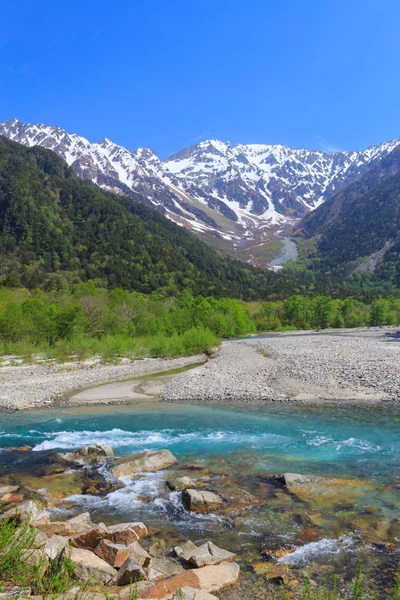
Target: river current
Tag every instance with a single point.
(237, 448)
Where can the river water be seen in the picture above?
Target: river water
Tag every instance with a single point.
(235, 449)
(288, 252)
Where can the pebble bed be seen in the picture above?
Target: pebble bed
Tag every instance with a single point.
(32, 386)
(361, 365)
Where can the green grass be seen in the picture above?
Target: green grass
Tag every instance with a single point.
(20, 566)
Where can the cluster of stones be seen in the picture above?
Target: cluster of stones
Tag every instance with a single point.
(113, 556)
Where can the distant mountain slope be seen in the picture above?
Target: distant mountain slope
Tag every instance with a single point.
(230, 196)
(359, 228)
(55, 228)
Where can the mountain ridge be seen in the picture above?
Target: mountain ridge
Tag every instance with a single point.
(235, 197)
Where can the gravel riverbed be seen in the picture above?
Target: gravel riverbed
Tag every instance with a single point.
(355, 365)
(31, 386)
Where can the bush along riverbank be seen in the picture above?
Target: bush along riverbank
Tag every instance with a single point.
(88, 320)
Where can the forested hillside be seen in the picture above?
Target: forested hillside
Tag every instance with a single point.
(56, 230)
(358, 230)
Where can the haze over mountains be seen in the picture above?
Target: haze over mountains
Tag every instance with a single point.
(233, 197)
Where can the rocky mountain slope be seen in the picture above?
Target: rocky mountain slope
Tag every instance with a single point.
(358, 229)
(231, 196)
(56, 230)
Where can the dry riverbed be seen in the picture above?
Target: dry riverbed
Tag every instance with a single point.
(354, 365)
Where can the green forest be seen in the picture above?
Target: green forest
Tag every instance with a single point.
(84, 272)
(91, 320)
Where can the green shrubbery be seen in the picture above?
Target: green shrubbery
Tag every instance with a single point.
(89, 320)
(321, 312)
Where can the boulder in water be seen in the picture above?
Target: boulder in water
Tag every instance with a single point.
(199, 500)
(144, 462)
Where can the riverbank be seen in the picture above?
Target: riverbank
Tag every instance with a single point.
(349, 365)
(32, 386)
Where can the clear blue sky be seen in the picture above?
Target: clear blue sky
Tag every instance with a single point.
(166, 73)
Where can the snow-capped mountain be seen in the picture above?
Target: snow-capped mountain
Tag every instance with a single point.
(235, 194)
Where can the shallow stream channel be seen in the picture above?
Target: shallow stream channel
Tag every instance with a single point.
(319, 528)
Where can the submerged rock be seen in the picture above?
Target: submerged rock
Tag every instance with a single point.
(291, 479)
(278, 574)
(144, 462)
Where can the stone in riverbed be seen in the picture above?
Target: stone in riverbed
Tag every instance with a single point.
(184, 549)
(36, 558)
(207, 554)
(126, 533)
(292, 479)
(81, 522)
(55, 546)
(277, 574)
(206, 579)
(199, 500)
(90, 538)
(97, 450)
(89, 567)
(144, 462)
(140, 555)
(57, 528)
(179, 484)
(29, 510)
(114, 554)
(189, 593)
(129, 572)
(160, 568)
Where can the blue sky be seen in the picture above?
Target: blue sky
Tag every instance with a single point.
(164, 74)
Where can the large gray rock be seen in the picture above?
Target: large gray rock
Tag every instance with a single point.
(55, 546)
(207, 554)
(129, 572)
(144, 462)
(96, 451)
(199, 500)
(185, 549)
(36, 558)
(89, 567)
(81, 522)
(179, 484)
(160, 568)
(30, 510)
(62, 528)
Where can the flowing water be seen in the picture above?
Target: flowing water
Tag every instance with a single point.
(236, 452)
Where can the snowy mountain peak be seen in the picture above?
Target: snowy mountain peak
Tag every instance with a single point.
(235, 193)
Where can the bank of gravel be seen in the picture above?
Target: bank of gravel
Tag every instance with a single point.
(361, 365)
(31, 386)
